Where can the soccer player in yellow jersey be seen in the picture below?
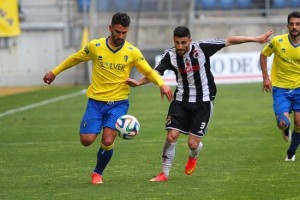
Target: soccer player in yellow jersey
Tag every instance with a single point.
(285, 80)
(113, 58)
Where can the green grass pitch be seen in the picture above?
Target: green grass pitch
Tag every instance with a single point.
(243, 154)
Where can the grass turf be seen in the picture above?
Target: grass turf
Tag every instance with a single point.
(242, 158)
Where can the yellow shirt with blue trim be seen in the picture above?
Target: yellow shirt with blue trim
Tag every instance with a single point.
(111, 68)
(285, 72)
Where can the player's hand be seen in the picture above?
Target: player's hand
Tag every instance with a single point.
(167, 91)
(132, 82)
(264, 37)
(49, 77)
(267, 86)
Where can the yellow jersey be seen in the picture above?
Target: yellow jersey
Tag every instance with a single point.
(111, 68)
(285, 72)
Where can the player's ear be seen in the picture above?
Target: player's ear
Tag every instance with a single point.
(110, 28)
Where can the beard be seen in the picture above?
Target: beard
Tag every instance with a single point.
(180, 51)
(294, 33)
(118, 42)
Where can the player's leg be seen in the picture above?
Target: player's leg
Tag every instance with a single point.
(168, 155)
(195, 146)
(198, 128)
(106, 150)
(90, 127)
(169, 150)
(176, 122)
(282, 103)
(295, 141)
(111, 113)
(283, 123)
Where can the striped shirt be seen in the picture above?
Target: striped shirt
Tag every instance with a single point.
(195, 82)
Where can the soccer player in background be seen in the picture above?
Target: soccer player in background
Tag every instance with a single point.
(191, 110)
(285, 80)
(113, 58)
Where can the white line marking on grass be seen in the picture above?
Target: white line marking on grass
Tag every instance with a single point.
(34, 105)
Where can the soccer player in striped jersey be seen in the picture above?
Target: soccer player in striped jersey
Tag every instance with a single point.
(285, 80)
(191, 110)
(113, 58)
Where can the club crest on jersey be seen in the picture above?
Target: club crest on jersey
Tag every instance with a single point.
(100, 58)
(196, 54)
(86, 50)
(97, 44)
(187, 62)
(126, 58)
(271, 45)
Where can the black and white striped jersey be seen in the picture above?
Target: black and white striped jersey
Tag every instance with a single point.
(195, 82)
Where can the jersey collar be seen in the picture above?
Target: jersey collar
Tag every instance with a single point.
(292, 42)
(114, 51)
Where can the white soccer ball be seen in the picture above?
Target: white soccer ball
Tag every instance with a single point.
(127, 127)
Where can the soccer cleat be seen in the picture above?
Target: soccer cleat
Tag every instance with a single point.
(190, 166)
(286, 134)
(290, 158)
(96, 178)
(161, 177)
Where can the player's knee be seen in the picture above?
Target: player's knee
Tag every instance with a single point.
(193, 145)
(87, 139)
(194, 142)
(171, 138)
(86, 143)
(282, 121)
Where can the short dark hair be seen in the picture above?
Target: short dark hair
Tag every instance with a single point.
(120, 18)
(182, 31)
(294, 14)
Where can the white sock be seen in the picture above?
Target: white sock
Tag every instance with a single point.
(168, 157)
(195, 153)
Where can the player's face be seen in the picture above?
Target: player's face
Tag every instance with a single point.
(294, 27)
(118, 34)
(182, 45)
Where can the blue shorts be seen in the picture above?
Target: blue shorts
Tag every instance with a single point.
(286, 100)
(101, 114)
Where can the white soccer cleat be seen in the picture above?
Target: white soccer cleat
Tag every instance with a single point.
(292, 159)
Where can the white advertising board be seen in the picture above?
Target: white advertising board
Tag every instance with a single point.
(230, 68)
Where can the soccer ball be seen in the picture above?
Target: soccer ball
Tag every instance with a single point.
(127, 127)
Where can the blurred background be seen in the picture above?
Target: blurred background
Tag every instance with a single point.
(50, 30)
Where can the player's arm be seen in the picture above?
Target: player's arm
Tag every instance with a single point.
(155, 78)
(134, 83)
(71, 61)
(151, 75)
(66, 64)
(267, 85)
(233, 40)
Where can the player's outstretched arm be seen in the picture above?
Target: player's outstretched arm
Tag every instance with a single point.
(233, 40)
(134, 83)
(164, 89)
